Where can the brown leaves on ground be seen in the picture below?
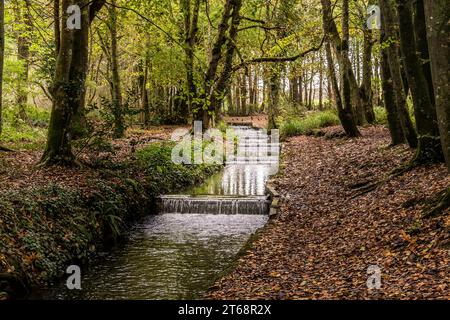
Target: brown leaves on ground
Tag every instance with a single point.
(324, 241)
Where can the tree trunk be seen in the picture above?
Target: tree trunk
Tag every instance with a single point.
(345, 116)
(79, 64)
(190, 33)
(366, 86)
(218, 89)
(56, 25)
(68, 85)
(59, 148)
(349, 88)
(429, 148)
(244, 94)
(116, 91)
(389, 38)
(23, 54)
(274, 97)
(438, 32)
(300, 90)
(320, 81)
(395, 128)
(310, 94)
(204, 113)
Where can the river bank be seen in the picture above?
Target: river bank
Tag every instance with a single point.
(325, 238)
(53, 217)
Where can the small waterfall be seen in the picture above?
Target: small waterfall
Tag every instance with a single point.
(250, 160)
(213, 205)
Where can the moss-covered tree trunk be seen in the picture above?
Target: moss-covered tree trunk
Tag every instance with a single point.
(69, 83)
(389, 43)
(190, 34)
(273, 97)
(366, 85)
(58, 149)
(429, 148)
(390, 104)
(336, 92)
(223, 82)
(25, 26)
(116, 89)
(438, 32)
(350, 91)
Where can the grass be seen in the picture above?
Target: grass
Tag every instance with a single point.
(300, 126)
(27, 135)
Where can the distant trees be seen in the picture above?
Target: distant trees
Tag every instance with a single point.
(194, 60)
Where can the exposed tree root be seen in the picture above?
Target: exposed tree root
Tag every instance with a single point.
(5, 149)
(368, 187)
(438, 204)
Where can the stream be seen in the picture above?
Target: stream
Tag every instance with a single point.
(179, 253)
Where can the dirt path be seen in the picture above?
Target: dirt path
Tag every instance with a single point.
(323, 243)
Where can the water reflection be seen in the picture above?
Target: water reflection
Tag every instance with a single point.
(241, 180)
(170, 256)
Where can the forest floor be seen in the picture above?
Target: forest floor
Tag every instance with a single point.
(324, 240)
(19, 169)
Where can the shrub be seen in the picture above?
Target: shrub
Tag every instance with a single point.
(165, 176)
(299, 126)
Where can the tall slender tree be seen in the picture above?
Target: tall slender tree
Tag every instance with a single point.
(116, 89)
(24, 25)
(349, 87)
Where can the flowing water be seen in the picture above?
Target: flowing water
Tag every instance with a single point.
(179, 253)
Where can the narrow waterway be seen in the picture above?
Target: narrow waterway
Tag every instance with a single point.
(179, 253)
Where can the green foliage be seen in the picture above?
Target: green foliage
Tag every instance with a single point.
(42, 228)
(380, 115)
(300, 126)
(164, 175)
(30, 134)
